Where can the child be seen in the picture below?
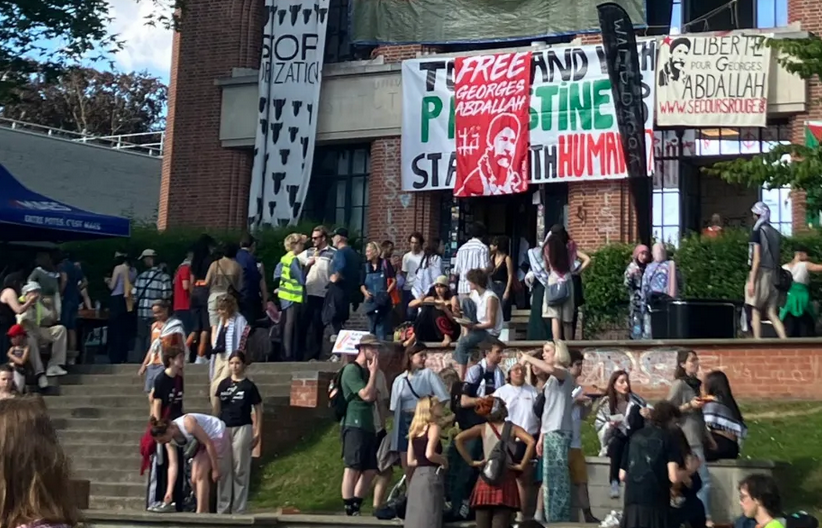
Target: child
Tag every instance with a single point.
(576, 458)
(18, 355)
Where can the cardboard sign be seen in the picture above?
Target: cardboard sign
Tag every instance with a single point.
(347, 341)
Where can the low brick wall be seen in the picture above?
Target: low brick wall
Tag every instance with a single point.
(757, 369)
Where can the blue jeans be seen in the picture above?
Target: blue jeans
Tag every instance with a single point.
(704, 493)
(378, 324)
(468, 342)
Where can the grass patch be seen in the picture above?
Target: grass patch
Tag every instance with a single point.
(308, 477)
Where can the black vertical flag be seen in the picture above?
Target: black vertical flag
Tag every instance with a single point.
(619, 45)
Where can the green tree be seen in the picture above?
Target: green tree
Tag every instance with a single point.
(57, 33)
(803, 171)
(100, 103)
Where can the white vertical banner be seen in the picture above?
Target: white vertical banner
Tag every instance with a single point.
(289, 84)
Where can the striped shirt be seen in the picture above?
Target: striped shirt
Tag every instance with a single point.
(472, 255)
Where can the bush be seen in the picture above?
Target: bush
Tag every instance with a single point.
(711, 268)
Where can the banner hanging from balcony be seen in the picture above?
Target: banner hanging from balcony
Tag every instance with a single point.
(713, 81)
(813, 134)
(290, 75)
(491, 120)
(470, 21)
(573, 130)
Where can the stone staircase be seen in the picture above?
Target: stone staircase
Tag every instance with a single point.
(101, 413)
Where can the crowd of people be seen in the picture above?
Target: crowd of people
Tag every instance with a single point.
(520, 429)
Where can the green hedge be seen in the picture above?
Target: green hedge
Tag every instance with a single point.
(712, 268)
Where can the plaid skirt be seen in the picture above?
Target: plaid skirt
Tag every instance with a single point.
(506, 494)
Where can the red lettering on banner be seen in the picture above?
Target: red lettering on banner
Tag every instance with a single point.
(582, 155)
(491, 94)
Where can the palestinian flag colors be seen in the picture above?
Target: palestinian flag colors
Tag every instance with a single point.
(813, 134)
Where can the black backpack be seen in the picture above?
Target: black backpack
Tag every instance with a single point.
(496, 467)
(337, 402)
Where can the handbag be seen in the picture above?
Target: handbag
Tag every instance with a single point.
(556, 294)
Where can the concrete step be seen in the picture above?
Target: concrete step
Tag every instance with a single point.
(194, 399)
(105, 462)
(134, 390)
(102, 502)
(126, 472)
(74, 436)
(79, 448)
(132, 380)
(139, 409)
(121, 425)
(113, 489)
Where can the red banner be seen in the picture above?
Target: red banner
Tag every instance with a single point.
(491, 118)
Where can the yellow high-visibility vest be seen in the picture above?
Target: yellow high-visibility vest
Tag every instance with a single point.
(290, 289)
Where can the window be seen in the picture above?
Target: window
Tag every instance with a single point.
(771, 13)
(338, 192)
(665, 217)
(338, 47)
(676, 17)
(779, 202)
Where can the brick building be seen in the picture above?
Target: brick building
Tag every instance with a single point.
(356, 177)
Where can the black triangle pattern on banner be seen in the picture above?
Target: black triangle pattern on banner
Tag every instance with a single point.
(281, 16)
(310, 108)
(295, 105)
(278, 108)
(259, 206)
(278, 178)
(323, 12)
(271, 205)
(265, 160)
(306, 15)
(295, 209)
(263, 102)
(292, 194)
(317, 9)
(284, 155)
(292, 133)
(295, 12)
(304, 141)
(256, 151)
(263, 125)
(275, 132)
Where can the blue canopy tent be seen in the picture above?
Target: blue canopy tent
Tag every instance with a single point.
(31, 217)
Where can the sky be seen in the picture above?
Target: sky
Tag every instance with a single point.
(146, 48)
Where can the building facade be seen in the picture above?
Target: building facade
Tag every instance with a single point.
(356, 180)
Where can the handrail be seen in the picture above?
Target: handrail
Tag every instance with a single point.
(115, 142)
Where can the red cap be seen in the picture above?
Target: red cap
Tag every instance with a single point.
(16, 331)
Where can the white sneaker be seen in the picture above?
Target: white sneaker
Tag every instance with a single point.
(614, 494)
(55, 370)
(42, 382)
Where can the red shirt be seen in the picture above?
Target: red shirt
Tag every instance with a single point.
(182, 297)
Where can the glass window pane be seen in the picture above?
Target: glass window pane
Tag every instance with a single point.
(339, 218)
(676, 18)
(765, 13)
(358, 191)
(670, 213)
(343, 163)
(356, 219)
(359, 161)
(785, 206)
(365, 191)
(341, 188)
(671, 236)
(657, 209)
(368, 162)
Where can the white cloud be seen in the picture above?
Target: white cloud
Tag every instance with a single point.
(146, 47)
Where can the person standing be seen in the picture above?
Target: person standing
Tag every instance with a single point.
(224, 276)
(471, 255)
(291, 291)
(764, 257)
(182, 291)
(227, 337)
(201, 260)
(253, 296)
(358, 382)
(576, 457)
(798, 314)
(71, 283)
(317, 264)
(151, 286)
(411, 262)
(632, 279)
(121, 308)
(378, 282)
(241, 410)
(47, 276)
(344, 281)
(425, 460)
(714, 230)
(502, 273)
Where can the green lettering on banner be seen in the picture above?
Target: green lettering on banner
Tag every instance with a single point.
(581, 108)
(602, 96)
(431, 110)
(546, 95)
(451, 118)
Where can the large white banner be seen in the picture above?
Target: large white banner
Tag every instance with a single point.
(713, 81)
(290, 78)
(573, 128)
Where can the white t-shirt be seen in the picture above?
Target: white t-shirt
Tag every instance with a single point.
(520, 402)
(211, 425)
(410, 264)
(482, 310)
(558, 412)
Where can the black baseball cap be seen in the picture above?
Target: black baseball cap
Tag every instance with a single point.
(340, 231)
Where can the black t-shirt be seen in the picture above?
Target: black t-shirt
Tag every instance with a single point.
(646, 461)
(169, 391)
(236, 400)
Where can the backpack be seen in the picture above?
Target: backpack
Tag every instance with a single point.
(496, 467)
(337, 402)
(801, 519)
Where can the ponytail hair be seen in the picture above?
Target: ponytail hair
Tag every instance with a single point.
(158, 427)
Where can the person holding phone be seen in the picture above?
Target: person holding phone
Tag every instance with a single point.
(685, 394)
(622, 414)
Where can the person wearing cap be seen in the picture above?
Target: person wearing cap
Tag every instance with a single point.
(290, 278)
(344, 281)
(358, 382)
(39, 323)
(18, 355)
(47, 276)
(152, 285)
(435, 320)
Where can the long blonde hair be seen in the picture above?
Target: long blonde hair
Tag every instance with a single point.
(423, 416)
(34, 470)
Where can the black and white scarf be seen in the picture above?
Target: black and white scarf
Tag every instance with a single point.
(719, 416)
